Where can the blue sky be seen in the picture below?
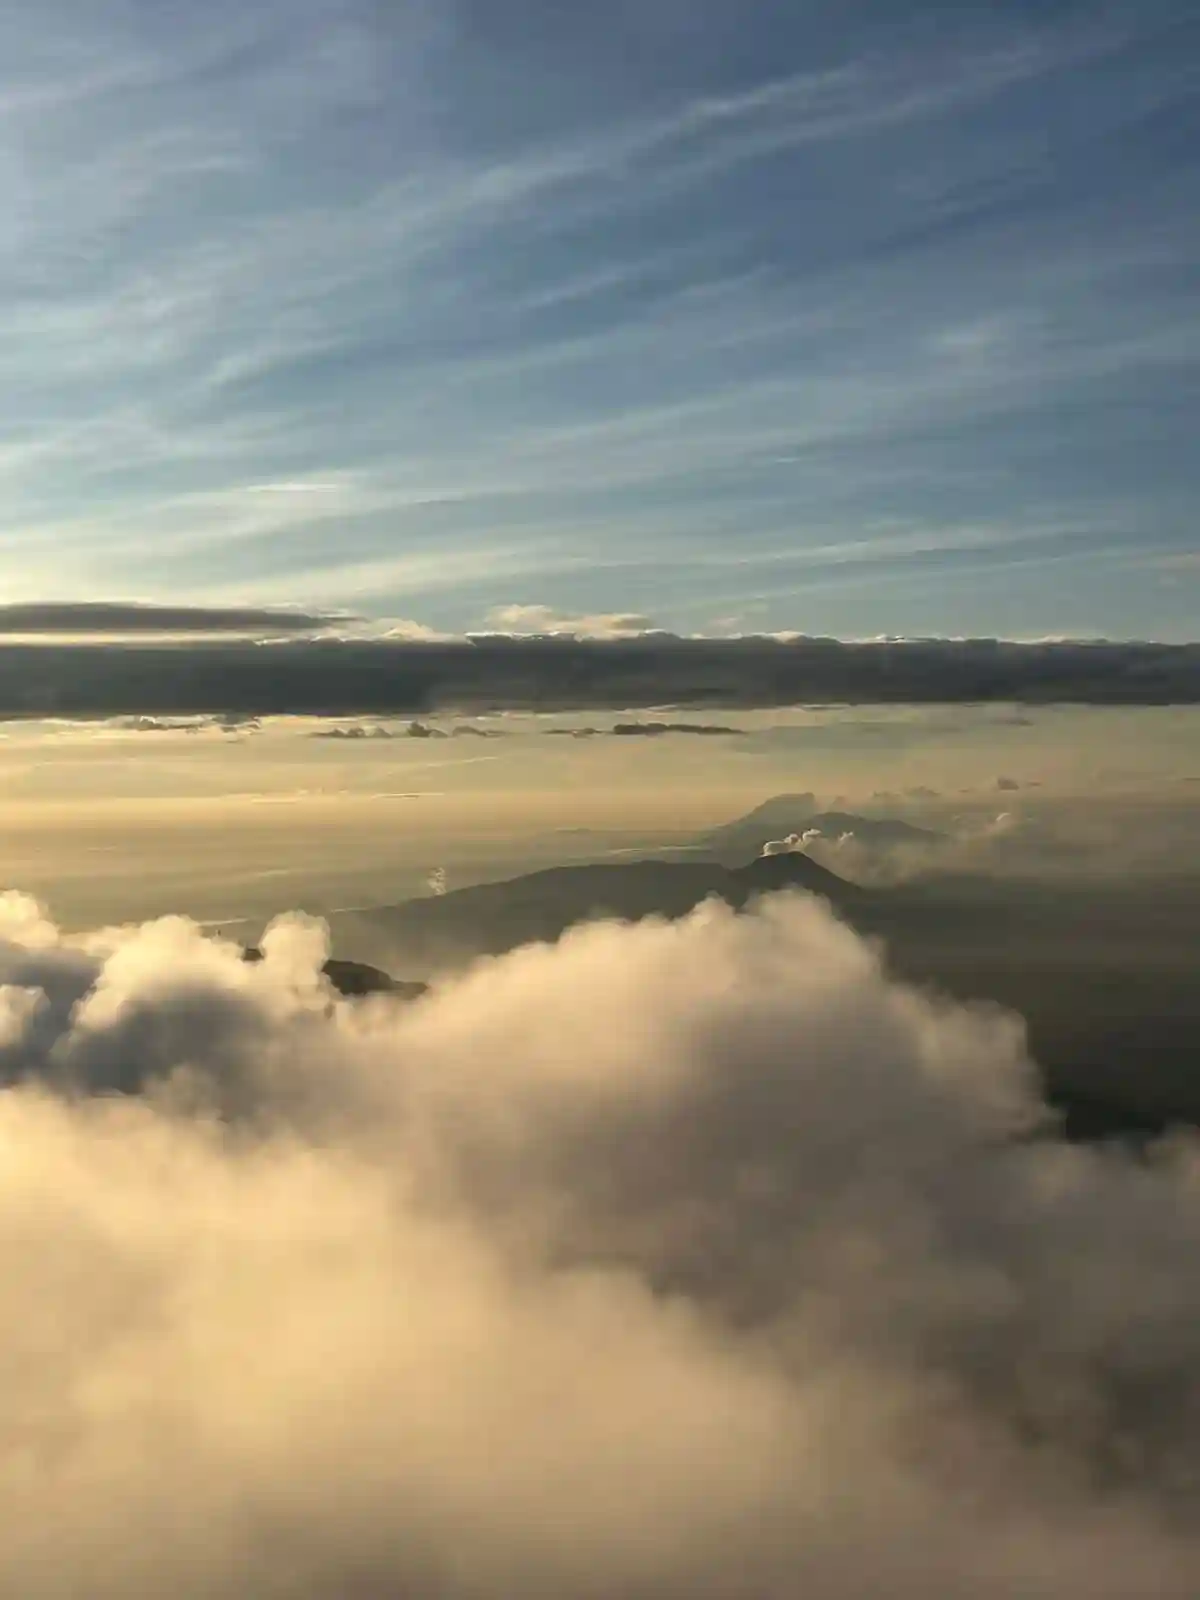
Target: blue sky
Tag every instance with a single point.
(841, 317)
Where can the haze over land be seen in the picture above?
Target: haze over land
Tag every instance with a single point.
(135, 817)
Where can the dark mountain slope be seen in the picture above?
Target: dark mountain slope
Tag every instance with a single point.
(437, 932)
(1108, 980)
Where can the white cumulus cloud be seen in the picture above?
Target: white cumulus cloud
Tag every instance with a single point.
(544, 620)
(692, 1259)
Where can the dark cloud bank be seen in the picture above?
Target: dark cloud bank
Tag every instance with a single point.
(129, 617)
(347, 677)
(676, 1260)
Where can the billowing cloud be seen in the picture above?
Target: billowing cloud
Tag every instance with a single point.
(796, 842)
(544, 621)
(377, 677)
(403, 630)
(675, 1260)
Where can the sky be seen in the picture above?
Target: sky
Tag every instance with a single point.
(850, 318)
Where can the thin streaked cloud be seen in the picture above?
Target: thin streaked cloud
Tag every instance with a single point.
(324, 305)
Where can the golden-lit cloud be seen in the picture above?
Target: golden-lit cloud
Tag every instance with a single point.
(674, 1260)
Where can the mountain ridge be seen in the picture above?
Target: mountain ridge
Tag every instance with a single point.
(436, 932)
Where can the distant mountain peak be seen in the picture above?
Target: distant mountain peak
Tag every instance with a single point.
(794, 869)
(785, 815)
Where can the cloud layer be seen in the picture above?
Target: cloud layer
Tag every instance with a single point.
(675, 1260)
(128, 617)
(343, 677)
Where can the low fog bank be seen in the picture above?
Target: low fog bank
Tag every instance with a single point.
(692, 1259)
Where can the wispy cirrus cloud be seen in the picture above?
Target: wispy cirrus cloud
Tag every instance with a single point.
(290, 300)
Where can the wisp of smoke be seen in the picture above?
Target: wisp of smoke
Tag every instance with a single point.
(696, 1259)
